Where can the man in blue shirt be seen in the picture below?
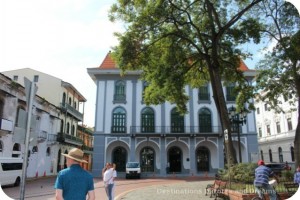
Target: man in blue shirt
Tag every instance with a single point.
(262, 175)
(74, 183)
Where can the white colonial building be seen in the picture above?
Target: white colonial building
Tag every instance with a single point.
(55, 118)
(157, 136)
(276, 132)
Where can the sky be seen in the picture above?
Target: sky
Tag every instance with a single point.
(61, 38)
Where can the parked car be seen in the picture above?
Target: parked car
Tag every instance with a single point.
(277, 168)
(133, 169)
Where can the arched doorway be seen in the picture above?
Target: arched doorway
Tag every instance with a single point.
(202, 159)
(174, 162)
(119, 158)
(147, 159)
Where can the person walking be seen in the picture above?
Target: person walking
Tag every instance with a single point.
(74, 183)
(108, 181)
(297, 175)
(262, 175)
(114, 178)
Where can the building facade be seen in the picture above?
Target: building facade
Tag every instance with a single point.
(276, 132)
(157, 136)
(86, 134)
(56, 115)
(45, 123)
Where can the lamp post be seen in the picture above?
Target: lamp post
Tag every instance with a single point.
(237, 118)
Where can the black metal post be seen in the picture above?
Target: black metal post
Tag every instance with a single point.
(236, 120)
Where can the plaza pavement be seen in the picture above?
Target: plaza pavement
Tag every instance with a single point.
(171, 188)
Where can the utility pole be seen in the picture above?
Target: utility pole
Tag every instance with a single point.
(30, 91)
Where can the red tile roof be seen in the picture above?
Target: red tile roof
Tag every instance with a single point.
(243, 67)
(108, 63)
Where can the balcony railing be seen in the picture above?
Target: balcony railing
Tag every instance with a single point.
(62, 137)
(72, 111)
(176, 129)
(119, 97)
(87, 149)
(118, 129)
(203, 96)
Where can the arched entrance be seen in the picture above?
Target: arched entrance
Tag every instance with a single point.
(119, 158)
(202, 159)
(147, 159)
(175, 159)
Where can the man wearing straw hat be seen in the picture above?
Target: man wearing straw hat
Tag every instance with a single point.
(74, 183)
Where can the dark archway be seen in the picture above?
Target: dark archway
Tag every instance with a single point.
(120, 158)
(175, 159)
(202, 159)
(147, 159)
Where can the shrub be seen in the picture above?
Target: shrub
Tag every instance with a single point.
(288, 175)
(241, 172)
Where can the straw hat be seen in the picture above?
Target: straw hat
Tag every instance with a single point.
(75, 154)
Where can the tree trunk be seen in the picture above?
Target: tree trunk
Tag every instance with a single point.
(220, 102)
(297, 132)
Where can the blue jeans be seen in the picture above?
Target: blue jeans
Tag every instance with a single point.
(268, 188)
(108, 190)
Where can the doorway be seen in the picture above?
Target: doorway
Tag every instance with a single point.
(202, 158)
(175, 160)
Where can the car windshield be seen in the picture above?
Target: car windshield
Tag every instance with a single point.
(133, 165)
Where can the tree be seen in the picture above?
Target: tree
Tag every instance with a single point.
(182, 42)
(279, 71)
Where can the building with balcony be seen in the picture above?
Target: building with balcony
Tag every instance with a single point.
(45, 124)
(86, 134)
(157, 136)
(276, 131)
(68, 103)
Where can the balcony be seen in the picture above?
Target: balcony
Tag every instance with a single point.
(70, 139)
(119, 98)
(168, 130)
(71, 110)
(118, 129)
(87, 149)
(203, 96)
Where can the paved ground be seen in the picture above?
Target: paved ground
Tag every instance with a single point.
(190, 190)
(142, 189)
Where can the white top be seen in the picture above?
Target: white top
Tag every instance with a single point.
(114, 173)
(108, 176)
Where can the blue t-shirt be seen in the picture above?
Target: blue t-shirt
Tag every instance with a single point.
(75, 183)
(262, 174)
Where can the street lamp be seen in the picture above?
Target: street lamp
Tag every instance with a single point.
(237, 118)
